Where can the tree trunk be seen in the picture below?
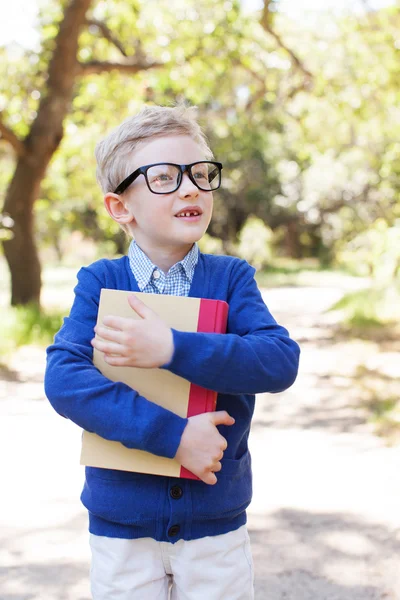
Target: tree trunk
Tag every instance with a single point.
(37, 150)
(292, 241)
(20, 251)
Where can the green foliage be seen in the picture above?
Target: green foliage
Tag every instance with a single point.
(293, 273)
(384, 410)
(369, 310)
(379, 390)
(375, 252)
(210, 245)
(28, 325)
(255, 243)
(319, 166)
(342, 175)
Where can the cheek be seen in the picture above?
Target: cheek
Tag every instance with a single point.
(159, 215)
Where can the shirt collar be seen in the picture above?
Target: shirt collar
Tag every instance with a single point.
(143, 269)
(189, 262)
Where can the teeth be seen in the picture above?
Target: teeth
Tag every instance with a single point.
(189, 214)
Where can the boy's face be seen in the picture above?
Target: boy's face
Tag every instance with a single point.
(154, 220)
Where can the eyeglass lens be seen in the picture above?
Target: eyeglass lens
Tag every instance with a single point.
(165, 178)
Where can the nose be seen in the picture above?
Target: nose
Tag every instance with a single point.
(187, 188)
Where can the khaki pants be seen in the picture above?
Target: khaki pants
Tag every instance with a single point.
(210, 568)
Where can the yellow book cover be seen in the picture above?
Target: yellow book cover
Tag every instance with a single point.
(157, 385)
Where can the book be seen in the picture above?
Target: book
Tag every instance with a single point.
(157, 385)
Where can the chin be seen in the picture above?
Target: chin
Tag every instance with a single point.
(191, 239)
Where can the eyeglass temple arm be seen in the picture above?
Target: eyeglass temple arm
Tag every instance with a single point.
(213, 173)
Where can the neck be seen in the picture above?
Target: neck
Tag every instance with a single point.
(165, 258)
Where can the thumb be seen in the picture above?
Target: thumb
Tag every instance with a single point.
(221, 417)
(140, 307)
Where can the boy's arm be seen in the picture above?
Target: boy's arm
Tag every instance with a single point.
(77, 390)
(255, 356)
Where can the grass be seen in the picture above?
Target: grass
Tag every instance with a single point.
(371, 312)
(387, 424)
(379, 394)
(288, 272)
(25, 325)
(384, 413)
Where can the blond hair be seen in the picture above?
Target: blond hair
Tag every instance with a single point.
(151, 122)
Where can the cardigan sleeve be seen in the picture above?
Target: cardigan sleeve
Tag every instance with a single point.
(255, 355)
(78, 391)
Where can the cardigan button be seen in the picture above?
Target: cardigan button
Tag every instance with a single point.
(176, 492)
(174, 530)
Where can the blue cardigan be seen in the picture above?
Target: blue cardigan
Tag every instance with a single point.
(256, 355)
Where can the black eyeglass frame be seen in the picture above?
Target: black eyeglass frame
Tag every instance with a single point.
(182, 169)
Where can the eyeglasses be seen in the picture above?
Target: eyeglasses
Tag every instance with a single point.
(164, 178)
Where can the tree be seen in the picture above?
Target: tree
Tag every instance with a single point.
(339, 168)
(208, 48)
(35, 150)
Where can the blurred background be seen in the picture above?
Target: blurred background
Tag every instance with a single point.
(300, 102)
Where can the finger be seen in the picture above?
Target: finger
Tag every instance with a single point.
(221, 417)
(117, 323)
(218, 457)
(107, 347)
(112, 335)
(209, 478)
(217, 467)
(140, 307)
(118, 361)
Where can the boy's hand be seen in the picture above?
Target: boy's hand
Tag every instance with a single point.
(202, 446)
(146, 342)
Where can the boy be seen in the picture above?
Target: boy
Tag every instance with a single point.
(146, 531)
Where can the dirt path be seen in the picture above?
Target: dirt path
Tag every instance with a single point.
(325, 519)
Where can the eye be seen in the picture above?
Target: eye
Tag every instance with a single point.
(162, 177)
(160, 173)
(200, 173)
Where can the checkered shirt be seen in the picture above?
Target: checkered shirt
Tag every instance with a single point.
(152, 280)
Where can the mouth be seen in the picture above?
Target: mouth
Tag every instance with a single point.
(189, 212)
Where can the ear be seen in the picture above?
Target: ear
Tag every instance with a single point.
(118, 209)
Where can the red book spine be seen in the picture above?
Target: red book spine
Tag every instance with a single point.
(213, 317)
